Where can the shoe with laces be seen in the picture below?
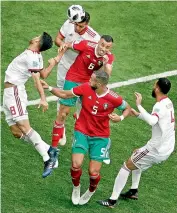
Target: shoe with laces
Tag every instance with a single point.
(86, 197)
(130, 194)
(76, 195)
(107, 203)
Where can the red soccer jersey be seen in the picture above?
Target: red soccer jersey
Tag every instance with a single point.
(93, 119)
(86, 62)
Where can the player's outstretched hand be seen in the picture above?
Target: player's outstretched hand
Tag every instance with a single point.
(63, 48)
(114, 117)
(105, 59)
(138, 98)
(44, 105)
(44, 84)
(133, 112)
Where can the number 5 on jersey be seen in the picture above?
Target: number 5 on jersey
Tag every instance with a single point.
(95, 109)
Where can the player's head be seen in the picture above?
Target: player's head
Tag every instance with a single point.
(163, 86)
(104, 45)
(99, 79)
(42, 42)
(79, 27)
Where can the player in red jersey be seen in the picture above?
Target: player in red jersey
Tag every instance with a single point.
(92, 56)
(92, 131)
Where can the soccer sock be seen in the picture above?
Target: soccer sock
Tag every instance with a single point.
(57, 134)
(25, 138)
(120, 182)
(94, 180)
(38, 143)
(136, 175)
(76, 174)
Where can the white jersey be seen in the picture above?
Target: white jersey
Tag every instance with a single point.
(163, 132)
(67, 31)
(19, 70)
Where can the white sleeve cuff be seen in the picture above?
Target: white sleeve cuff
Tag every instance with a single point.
(73, 93)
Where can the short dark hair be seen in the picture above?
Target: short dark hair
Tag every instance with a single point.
(107, 38)
(102, 76)
(45, 42)
(86, 18)
(164, 85)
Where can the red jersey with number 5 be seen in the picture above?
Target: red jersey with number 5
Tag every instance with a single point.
(93, 119)
(86, 62)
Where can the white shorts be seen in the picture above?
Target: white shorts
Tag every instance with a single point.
(14, 104)
(61, 74)
(144, 158)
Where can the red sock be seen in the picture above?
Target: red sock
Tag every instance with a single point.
(94, 180)
(76, 174)
(57, 134)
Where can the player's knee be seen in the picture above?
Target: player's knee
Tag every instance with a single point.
(16, 134)
(129, 164)
(94, 171)
(76, 164)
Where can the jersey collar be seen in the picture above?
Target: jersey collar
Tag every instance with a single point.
(163, 98)
(96, 53)
(83, 31)
(104, 94)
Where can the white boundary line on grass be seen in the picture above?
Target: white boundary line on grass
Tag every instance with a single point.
(115, 85)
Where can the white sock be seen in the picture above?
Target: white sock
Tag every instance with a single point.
(136, 175)
(38, 143)
(25, 138)
(120, 182)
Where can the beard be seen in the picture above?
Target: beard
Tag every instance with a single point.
(94, 87)
(153, 93)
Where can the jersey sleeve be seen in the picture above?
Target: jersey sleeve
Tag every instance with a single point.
(80, 45)
(111, 59)
(79, 90)
(33, 62)
(158, 110)
(64, 29)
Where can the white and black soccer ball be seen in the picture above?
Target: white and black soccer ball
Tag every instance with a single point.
(76, 13)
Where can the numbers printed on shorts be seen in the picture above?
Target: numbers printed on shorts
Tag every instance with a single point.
(12, 109)
(95, 109)
(91, 66)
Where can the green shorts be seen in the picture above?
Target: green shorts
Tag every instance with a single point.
(97, 147)
(70, 101)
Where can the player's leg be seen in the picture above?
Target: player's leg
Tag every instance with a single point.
(59, 124)
(98, 152)
(79, 149)
(61, 74)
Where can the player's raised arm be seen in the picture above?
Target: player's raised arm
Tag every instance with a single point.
(57, 92)
(40, 89)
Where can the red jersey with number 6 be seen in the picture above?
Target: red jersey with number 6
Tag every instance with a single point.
(93, 119)
(86, 62)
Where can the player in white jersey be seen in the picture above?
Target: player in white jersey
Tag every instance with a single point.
(28, 64)
(157, 149)
(69, 32)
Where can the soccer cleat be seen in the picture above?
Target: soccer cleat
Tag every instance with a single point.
(76, 195)
(108, 203)
(86, 197)
(62, 140)
(130, 194)
(55, 166)
(48, 166)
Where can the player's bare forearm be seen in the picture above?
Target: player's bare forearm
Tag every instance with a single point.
(38, 85)
(44, 73)
(62, 93)
(127, 111)
(59, 40)
(107, 68)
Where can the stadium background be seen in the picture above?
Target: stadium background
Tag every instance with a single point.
(144, 43)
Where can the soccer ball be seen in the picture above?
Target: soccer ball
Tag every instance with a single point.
(76, 13)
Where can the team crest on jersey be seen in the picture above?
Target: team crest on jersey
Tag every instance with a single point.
(100, 63)
(35, 64)
(105, 106)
